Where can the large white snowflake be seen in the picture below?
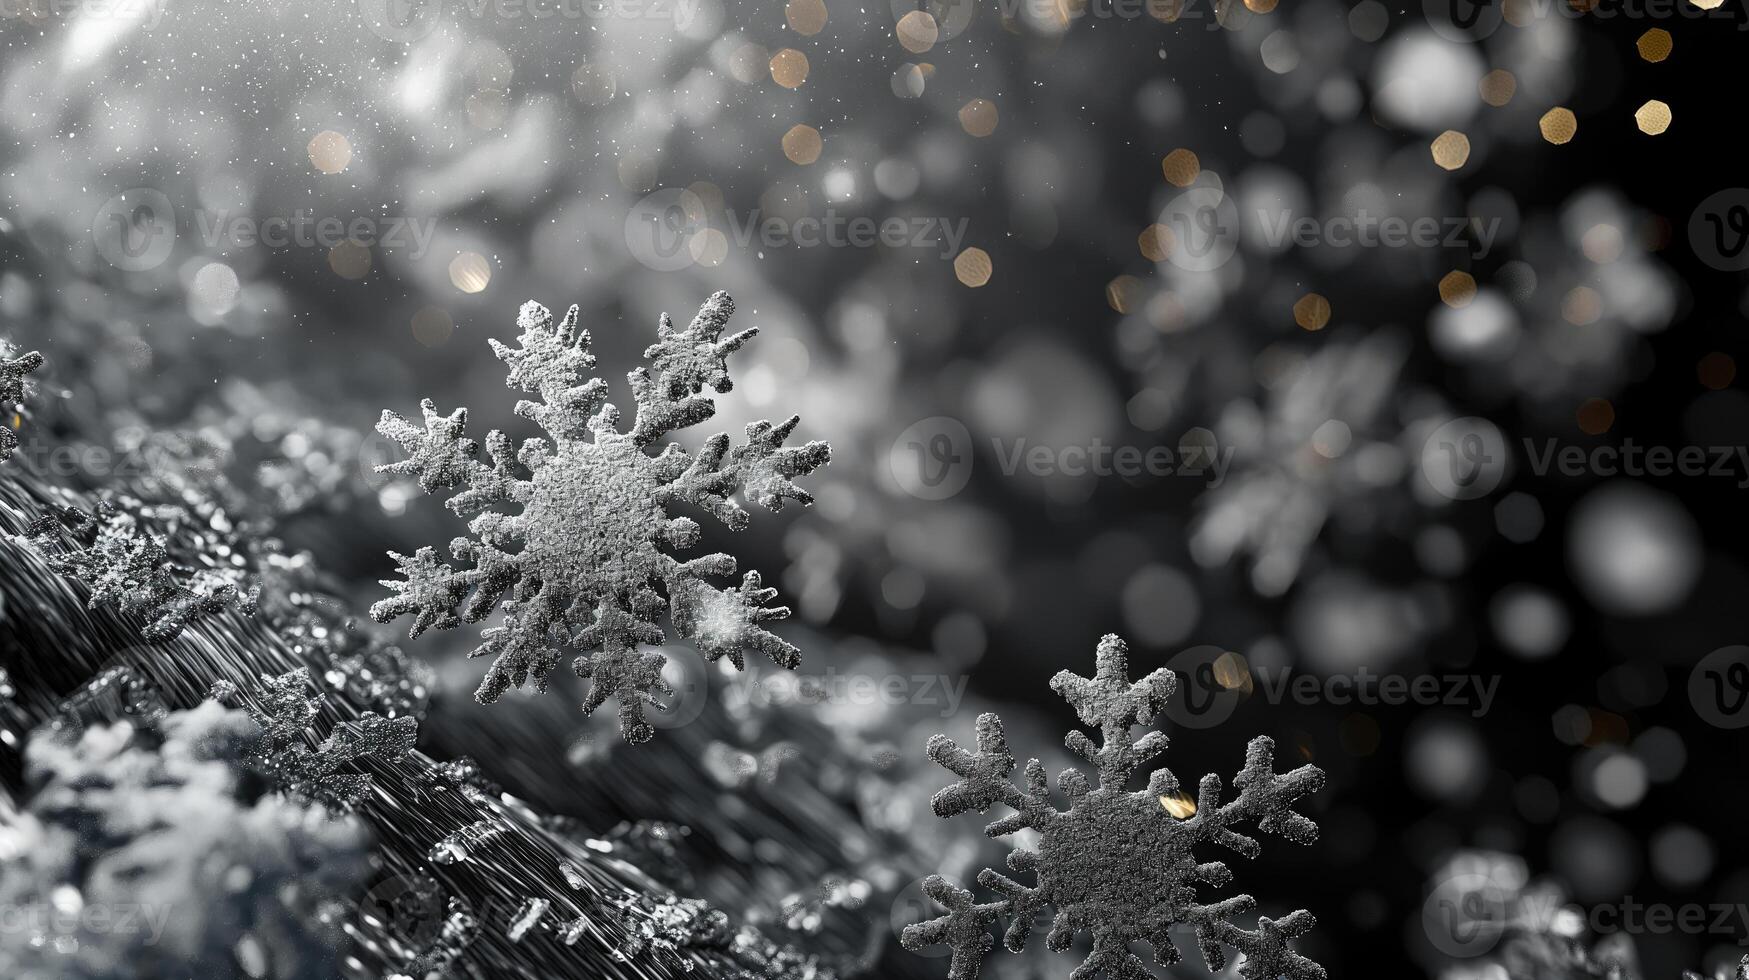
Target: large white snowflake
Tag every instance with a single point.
(586, 556)
(1117, 863)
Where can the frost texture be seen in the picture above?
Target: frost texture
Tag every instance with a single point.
(586, 558)
(14, 389)
(286, 711)
(1117, 863)
(125, 564)
(151, 851)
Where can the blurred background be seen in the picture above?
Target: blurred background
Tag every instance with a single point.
(986, 241)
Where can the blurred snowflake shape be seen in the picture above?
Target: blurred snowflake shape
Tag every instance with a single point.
(1118, 864)
(584, 556)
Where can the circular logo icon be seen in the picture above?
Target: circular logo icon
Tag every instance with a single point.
(1464, 458)
(135, 230)
(375, 450)
(1463, 20)
(1205, 229)
(1718, 231)
(1719, 687)
(951, 17)
(410, 908)
(932, 459)
(1201, 700)
(660, 229)
(689, 677)
(403, 21)
(1465, 914)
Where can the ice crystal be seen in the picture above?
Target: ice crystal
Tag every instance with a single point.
(286, 710)
(589, 549)
(124, 563)
(1117, 863)
(15, 387)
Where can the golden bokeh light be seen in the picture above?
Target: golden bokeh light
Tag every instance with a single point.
(1156, 242)
(1595, 417)
(978, 117)
(806, 17)
(1457, 289)
(708, 247)
(330, 152)
(432, 326)
(1260, 6)
(789, 68)
(1312, 312)
(470, 272)
(802, 144)
(349, 260)
(1558, 125)
(973, 267)
(1179, 805)
(1655, 45)
(917, 32)
(1181, 167)
(1581, 306)
(1653, 117)
(1451, 149)
(1123, 294)
(1498, 87)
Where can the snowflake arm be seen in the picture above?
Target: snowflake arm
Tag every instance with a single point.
(14, 388)
(1117, 864)
(577, 530)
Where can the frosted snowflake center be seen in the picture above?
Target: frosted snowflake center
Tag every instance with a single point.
(606, 491)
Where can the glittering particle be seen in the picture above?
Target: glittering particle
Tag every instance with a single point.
(1581, 305)
(789, 68)
(1156, 242)
(917, 32)
(1312, 312)
(1655, 45)
(470, 272)
(1123, 293)
(1716, 370)
(806, 17)
(1653, 117)
(1558, 125)
(349, 260)
(802, 144)
(1180, 167)
(1451, 149)
(973, 267)
(978, 117)
(1498, 87)
(330, 152)
(1457, 289)
(432, 326)
(594, 84)
(1595, 416)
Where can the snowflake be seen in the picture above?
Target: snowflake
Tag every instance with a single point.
(586, 553)
(1116, 863)
(14, 389)
(122, 561)
(286, 710)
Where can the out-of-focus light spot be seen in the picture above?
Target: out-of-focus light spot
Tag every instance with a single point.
(432, 326)
(1312, 312)
(1653, 117)
(1602, 243)
(1682, 856)
(1581, 306)
(1232, 672)
(1155, 242)
(330, 152)
(802, 144)
(1518, 517)
(917, 31)
(1529, 622)
(748, 63)
(349, 260)
(1558, 125)
(1633, 550)
(789, 68)
(1280, 52)
(1166, 312)
(978, 117)
(1497, 87)
(972, 267)
(1260, 6)
(1179, 805)
(637, 173)
(470, 272)
(1332, 439)
(214, 290)
(1160, 605)
(1716, 370)
(1619, 781)
(1655, 45)
(708, 247)
(909, 80)
(1121, 294)
(1595, 416)
(1445, 759)
(1707, 4)
(1457, 289)
(1368, 19)
(1451, 149)
(806, 17)
(1180, 167)
(897, 178)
